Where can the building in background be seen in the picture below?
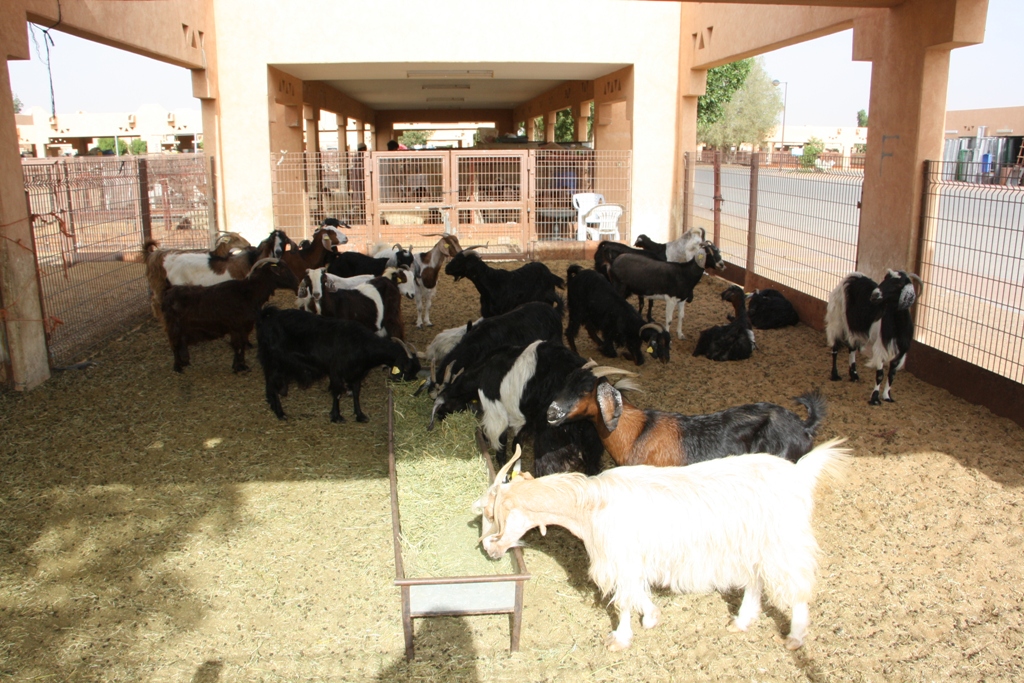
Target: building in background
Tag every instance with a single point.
(991, 138)
(42, 135)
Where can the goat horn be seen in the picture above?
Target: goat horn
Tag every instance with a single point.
(627, 384)
(408, 351)
(652, 326)
(918, 280)
(607, 370)
(500, 476)
(591, 363)
(431, 234)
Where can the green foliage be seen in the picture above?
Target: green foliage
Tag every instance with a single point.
(860, 148)
(812, 150)
(412, 138)
(107, 145)
(749, 116)
(565, 126)
(138, 146)
(723, 82)
(862, 119)
(18, 106)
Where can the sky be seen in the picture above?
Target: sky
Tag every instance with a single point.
(823, 85)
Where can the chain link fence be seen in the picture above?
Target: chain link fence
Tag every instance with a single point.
(90, 217)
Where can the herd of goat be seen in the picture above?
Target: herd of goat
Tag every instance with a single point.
(747, 520)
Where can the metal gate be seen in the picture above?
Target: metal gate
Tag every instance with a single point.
(504, 199)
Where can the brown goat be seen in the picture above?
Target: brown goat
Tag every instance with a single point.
(316, 253)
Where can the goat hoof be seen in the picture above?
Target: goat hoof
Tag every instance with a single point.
(337, 418)
(650, 620)
(889, 399)
(614, 644)
(794, 643)
(178, 369)
(241, 368)
(835, 377)
(854, 377)
(362, 418)
(874, 401)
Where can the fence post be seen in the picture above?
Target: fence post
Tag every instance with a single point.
(925, 253)
(144, 210)
(718, 199)
(748, 277)
(687, 193)
(211, 199)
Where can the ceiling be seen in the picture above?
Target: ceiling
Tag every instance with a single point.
(489, 85)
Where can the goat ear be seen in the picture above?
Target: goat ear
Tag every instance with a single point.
(609, 402)
(701, 258)
(303, 290)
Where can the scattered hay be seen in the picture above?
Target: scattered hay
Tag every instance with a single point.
(440, 474)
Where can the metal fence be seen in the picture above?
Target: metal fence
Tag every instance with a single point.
(506, 199)
(972, 264)
(90, 217)
(798, 227)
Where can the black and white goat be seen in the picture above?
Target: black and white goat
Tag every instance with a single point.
(514, 386)
(673, 282)
(297, 346)
(734, 341)
(679, 250)
(374, 301)
(652, 437)
(519, 327)
(769, 309)
(426, 269)
(609, 319)
(873, 317)
(397, 256)
(193, 313)
(502, 290)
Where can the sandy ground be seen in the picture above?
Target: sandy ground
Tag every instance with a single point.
(157, 527)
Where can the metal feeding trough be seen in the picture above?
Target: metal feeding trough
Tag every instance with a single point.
(453, 595)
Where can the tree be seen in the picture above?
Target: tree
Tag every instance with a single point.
(722, 82)
(862, 119)
(565, 126)
(812, 150)
(749, 116)
(414, 138)
(138, 146)
(107, 145)
(17, 105)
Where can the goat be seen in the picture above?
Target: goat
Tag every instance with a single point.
(607, 251)
(376, 303)
(351, 263)
(297, 346)
(673, 282)
(740, 522)
(166, 267)
(734, 341)
(651, 437)
(514, 386)
(194, 313)
(518, 327)
(317, 281)
(446, 340)
(769, 309)
(862, 314)
(397, 257)
(679, 250)
(427, 268)
(315, 253)
(594, 304)
(502, 290)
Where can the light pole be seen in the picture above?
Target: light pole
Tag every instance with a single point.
(785, 95)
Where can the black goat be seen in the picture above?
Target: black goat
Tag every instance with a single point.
(514, 386)
(519, 327)
(594, 304)
(351, 263)
(734, 341)
(651, 437)
(607, 251)
(769, 309)
(502, 290)
(671, 281)
(865, 315)
(298, 346)
(193, 313)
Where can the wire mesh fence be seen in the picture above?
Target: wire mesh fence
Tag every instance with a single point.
(972, 264)
(505, 199)
(90, 218)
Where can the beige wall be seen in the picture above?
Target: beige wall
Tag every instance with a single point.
(646, 36)
(1001, 121)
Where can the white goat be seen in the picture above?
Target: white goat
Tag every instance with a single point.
(737, 522)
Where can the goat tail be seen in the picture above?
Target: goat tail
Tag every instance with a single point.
(559, 303)
(816, 410)
(826, 461)
(574, 270)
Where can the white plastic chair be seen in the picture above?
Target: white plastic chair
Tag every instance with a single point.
(606, 216)
(583, 203)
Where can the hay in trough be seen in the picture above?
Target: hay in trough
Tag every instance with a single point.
(440, 473)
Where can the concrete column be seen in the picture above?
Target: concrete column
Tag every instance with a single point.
(384, 133)
(312, 116)
(549, 126)
(360, 136)
(531, 128)
(581, 112)
(22, 336)
(909, 49)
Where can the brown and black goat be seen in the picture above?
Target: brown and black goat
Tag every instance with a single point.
(196, 314)
(316, 253)
(650, 437)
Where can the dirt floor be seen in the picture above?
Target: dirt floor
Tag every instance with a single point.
(163, 527)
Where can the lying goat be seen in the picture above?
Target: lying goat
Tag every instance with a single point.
(651, 437)
(734, 341)
(740, 522)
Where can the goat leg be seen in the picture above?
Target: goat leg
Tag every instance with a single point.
(854, 377)
(337, 389)
(360, 415)
(274, 399)
(835, 372)
(181, 357)
(893, 366)
(879, 375)
(238, 343)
